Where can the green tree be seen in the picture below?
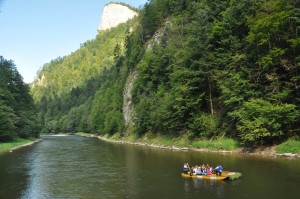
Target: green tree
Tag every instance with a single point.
(17, 111)
(261, 122)
(7, 126)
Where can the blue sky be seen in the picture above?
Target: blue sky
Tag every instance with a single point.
(33, 32)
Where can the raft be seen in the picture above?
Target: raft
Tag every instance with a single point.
(225, 176)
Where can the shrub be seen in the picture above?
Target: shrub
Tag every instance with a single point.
(260, 121)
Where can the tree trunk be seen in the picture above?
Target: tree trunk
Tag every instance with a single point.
(210, 97)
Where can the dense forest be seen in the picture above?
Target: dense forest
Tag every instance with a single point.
(18, 116)
(200, 68)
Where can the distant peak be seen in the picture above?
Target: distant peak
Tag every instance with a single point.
(115, 14)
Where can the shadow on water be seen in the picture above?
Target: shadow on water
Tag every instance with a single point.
(77, 167)
(14, 175)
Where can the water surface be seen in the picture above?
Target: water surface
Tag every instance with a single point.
(78, 167)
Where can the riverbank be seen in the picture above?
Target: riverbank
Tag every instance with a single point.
(224, 145)
(17, 143)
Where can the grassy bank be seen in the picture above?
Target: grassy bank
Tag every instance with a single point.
(7, 146)
(290, 146)
(223, 144)
(226, 144)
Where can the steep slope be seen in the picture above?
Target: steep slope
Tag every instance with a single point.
(128, 108)
(65, 73)
(64, 90)
(90, 60)
(221, 68)
(204, 69)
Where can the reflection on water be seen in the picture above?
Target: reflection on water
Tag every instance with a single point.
(72, 169)
(77, 167)
(204, 187)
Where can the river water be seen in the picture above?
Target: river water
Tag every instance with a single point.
(77, 167)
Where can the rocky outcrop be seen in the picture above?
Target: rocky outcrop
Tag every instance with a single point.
(39, 81)
(158, 35)
(114, 14)
(128, 109)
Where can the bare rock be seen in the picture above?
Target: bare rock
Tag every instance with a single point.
(115, 14)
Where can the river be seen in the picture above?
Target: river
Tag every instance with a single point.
(77, 167)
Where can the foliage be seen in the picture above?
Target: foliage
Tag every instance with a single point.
(107, 105)
(73, 93)
(165, 140)
(17, 111)
(204, 69)
(204, 125)
(7, 126)
(124, 4)
(261, 121)
(290, 146)
(235, 176)
(219, 144)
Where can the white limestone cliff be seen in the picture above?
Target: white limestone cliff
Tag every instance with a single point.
(128, 109)
(115, 14)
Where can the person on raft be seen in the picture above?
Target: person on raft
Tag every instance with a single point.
(186, 168)
(219, 170)
(208, 169)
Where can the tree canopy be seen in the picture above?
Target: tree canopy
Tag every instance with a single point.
(17, 110)
(204, 68)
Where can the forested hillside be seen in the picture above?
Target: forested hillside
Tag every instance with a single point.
(17, 111)
(72, 93)
(203, 69)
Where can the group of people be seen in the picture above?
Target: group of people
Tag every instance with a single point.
(202, 169)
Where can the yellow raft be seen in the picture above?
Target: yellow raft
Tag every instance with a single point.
(225, 175)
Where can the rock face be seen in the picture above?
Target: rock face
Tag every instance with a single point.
(114, 14)
(128, 109)
(39, 81)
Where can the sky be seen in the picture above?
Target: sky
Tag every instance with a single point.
(33, 32)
